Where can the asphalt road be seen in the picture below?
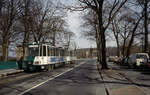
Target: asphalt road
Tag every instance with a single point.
(139, 76)
(81, 78)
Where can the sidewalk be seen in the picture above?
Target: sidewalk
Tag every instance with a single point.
(116, 84)
(9, 72)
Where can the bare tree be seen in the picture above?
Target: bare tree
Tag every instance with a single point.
(39, 20)
(116, 31)
(8, 16)
(133, 35)
(1, 5)
(98, 7)
(91, 21)
(125, 34)
(144, 4)
(26, 21)
(48, 23)
(121, 27)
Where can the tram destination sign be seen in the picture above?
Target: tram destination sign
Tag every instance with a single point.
(30, 46)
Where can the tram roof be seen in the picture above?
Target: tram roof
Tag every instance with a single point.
(45, 43)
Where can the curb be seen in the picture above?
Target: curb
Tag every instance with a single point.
(11, 73)
(105, 86)
(108, 91)
(133, 82)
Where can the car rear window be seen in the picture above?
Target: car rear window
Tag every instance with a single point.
(141, 56)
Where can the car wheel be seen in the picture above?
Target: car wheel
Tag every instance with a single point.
(134, 66)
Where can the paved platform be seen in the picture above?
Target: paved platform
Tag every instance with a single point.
(127, 90)
(9, 72)
(117, 84)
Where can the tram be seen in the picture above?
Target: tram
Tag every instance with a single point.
(43, 56)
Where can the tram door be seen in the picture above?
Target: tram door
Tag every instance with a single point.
(50, 51)
(43, 50)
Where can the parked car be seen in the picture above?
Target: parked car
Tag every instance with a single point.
(148, 64)
(138, 60)
(117, 60)
(124, 61)
(112, 58)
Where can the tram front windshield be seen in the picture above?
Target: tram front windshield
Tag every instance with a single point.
(33, 51)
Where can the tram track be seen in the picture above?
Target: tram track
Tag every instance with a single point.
(20, 82)
(31, 76)
(16, 77)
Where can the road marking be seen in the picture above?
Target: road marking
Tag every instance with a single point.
(50, 79)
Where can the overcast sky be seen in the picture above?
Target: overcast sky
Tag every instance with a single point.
(74, 21)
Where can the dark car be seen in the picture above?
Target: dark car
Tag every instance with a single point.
(124, 61)
(148, 64)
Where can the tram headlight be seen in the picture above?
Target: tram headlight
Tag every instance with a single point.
(37, 62)
(29, 63)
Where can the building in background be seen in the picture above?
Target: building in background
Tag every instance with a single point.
(86, 53)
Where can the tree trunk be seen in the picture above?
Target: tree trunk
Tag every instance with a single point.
(132, 37)
(146, 26)
(103, 49)
(54, 38)
(118, 46)
(98, 44)
(25, 41)
(5, 50)
(123, 48)
(102, 35)
(26, 27)
(23, 50)
(118, 50)
(116, 35)
(98, 51)
(130, 44)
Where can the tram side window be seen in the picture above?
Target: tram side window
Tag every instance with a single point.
(33, 51)
(40, 50)
(44, 50)
(63, 52)
(56, 52)
(60, 52)
(66, 52)
(70, 53)
(48, 48)
(52, 51)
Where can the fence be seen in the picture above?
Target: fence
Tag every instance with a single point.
(8, 65)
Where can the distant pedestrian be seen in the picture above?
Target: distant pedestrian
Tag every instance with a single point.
(20, 63)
